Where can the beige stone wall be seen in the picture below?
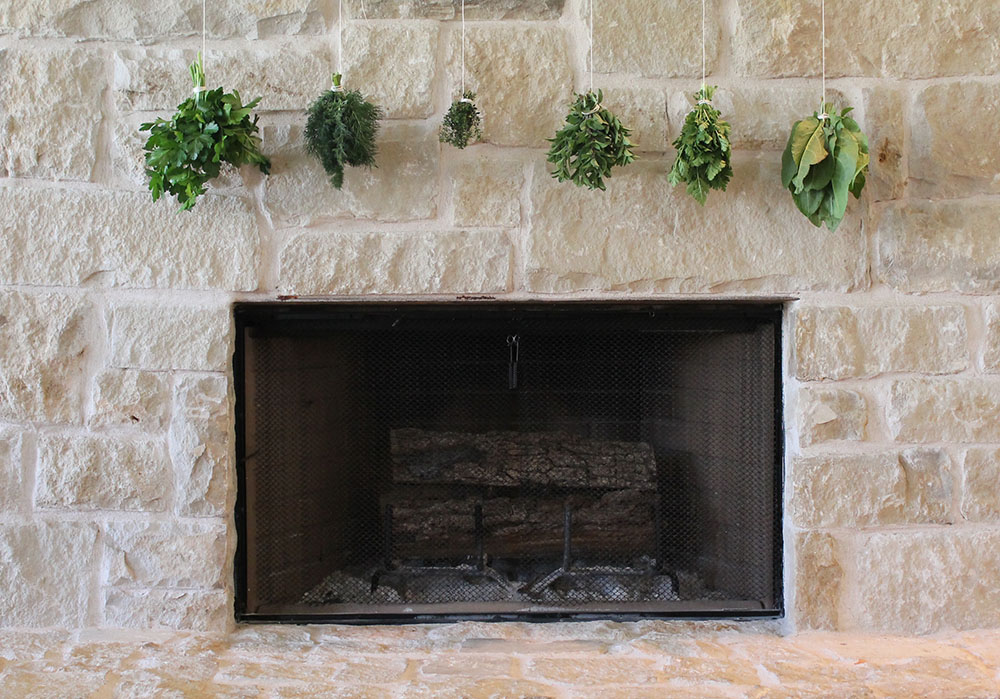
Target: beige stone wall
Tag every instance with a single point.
(116, 474)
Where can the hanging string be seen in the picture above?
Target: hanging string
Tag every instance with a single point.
(822, 4)
(703, 72)
(591, 45)
(463, 48)
(204, 51)
(340, 39)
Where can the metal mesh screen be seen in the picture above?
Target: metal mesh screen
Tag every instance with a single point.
(510, 460)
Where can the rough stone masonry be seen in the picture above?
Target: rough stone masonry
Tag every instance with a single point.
(116, 393)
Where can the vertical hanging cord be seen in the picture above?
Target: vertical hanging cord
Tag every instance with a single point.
(823, 30)
(204, 33)
(591, 45)
(340, 36)
(463, 49)
(703, 73)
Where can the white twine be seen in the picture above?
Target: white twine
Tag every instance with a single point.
(463, 49)
(204, 33)
(592, 47)
(340, 36)
(823, 47)
(703, 72)
(704, 101)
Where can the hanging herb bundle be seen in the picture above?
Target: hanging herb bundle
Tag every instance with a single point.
(463, 122)
(826, 157)
(341, 130)
(211, 128)
(704, 155)
(591, 143)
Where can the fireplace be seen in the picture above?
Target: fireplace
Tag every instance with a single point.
(516, 461)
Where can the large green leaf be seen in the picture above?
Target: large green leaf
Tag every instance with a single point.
(844, 173)
(808, 200)
(813, 150)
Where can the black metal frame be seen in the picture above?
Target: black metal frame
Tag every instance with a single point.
(250, 314)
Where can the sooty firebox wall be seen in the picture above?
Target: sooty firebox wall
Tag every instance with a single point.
(507, 461)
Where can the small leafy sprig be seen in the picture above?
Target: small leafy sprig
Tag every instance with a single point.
(341, 130)
(592, 142)
(826, 157)
(462, 123)
(704, 154)
(209, 129)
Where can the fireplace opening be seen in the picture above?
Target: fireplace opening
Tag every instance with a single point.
(434, 462)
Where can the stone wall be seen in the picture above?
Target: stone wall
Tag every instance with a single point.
(116, 473)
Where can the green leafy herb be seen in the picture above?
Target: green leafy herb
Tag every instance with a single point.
(591, 143)
(341, 130)
(462, 123)
(824, 160)
(704, 155)
(210, 128)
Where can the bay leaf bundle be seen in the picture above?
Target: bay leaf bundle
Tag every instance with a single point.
(825, 159)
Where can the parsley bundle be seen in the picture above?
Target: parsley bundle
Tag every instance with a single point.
(462, 123)
(824, 160)
(704, 155)
(341, 130)
(209, 129)
(590, 144)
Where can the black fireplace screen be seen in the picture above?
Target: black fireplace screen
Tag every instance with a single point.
(508, 461)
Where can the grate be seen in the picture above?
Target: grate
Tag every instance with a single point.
(516, 459)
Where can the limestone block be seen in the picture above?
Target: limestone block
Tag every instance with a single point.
(393, 65)
(761, 116)
(654, 39)
(487, 191)
(819, 581)
(201, 445)
(164, 554)
(830, 414)
(130, 20)
(645, 236)
(838, 342)
(991, 355)
(50, 111)
(131, 397)
(921, 40)
(460, 262)
(948, 410)
(45, 573)
(600, 670)
(885, 127)
(925, 581)
(948, 161)
(101, 473)
(644, 111)
(12, 496)
(403, 186)
(926, 246)
(981, 493)
(284, 76)
(861, 490)
(46, 341)
(150, 335)
(522, 76)
(188, 610)
(451, 9)
(69, 238)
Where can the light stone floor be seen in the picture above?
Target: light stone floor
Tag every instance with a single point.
(647, 659)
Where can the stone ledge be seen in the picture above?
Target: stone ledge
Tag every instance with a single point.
(650, 660)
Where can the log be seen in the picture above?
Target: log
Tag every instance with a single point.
(435, 523)
(548, 459)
